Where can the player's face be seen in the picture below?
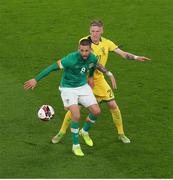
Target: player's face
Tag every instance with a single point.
(85, 51)
(96, 33)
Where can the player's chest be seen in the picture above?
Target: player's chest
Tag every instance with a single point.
(82, 67)
(100, 49)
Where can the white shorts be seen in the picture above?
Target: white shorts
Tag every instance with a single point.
(81, 95)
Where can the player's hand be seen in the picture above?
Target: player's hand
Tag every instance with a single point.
(113, 81)
(142, 58)
(30, 84)
(91, 82)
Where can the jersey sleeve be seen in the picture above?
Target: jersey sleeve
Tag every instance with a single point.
(65, 62)
(91, 72)
(112, 46)
(46, 71)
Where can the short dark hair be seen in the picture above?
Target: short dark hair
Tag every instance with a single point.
(85, 42)
(98, 23)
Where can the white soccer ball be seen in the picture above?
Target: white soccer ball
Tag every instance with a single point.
(46, 112)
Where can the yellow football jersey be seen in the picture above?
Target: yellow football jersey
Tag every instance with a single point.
(101, 51)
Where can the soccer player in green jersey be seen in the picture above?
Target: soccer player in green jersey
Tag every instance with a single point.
(74, 88)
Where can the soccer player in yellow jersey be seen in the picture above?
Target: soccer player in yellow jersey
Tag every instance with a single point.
(102, 91)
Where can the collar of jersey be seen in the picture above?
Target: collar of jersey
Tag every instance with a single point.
(89, 38)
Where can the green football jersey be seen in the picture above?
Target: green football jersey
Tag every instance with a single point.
(76, 69)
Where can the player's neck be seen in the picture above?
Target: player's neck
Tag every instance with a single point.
(95, 41)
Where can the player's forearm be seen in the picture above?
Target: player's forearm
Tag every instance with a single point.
(103, 69)
(46, 71)
(130, 56)
(125, 55)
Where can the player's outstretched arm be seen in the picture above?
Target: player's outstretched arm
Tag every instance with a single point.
(31, 84)
(127, 55)
(108, 73)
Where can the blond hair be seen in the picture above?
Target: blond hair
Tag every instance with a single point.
(98, 23)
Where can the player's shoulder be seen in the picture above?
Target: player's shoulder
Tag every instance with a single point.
(106, 40)
(71, 57)
(108, 43)
(93, 57)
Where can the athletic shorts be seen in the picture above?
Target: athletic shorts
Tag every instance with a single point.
(102, 90)
(81, 95)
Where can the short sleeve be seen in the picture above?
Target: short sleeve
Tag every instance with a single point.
(66, 61)
(112, 46)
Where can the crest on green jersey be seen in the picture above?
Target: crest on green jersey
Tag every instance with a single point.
(91, 65)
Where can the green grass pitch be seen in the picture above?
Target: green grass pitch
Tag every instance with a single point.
(35, 33)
